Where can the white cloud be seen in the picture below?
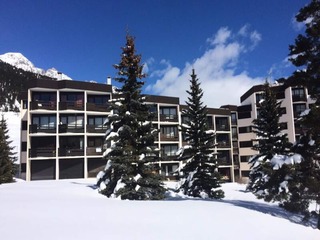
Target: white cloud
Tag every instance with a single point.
(216, 70)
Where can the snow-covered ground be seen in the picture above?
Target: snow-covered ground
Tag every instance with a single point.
(73, 209)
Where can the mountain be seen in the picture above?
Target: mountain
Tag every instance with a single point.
(19, 61)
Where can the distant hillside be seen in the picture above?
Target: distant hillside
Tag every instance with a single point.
(14, 80)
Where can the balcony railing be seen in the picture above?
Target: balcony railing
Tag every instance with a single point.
(71, 152)
(97, 107)
(71, 105)
(64, 128)
(35, 128)
(223, 144)
(94, 151)
(168, 118)
(96, 128)
(46, 105)
(42, 152)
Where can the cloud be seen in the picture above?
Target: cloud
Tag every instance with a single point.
(217, 70)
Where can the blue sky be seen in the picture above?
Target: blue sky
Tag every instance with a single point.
(231, 44)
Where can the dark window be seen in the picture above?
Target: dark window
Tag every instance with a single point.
(298, 109)
(298, 94)
(98, 99)
(242, 115)
(245, 173)
(72, 121)
(244, 158)
(245, 129)
(280, 95)
(25, 104)
(283, 110)
(234, 132)
(210, 122)
(169, 149)
(44, 121)
(233, 118)
(24, 125)
(259, 97)
(23, 167)
(23, 146)
(245, 144)
(96, 120)
(222, 124)
(284, 125)
(95, 141)
(44, 96)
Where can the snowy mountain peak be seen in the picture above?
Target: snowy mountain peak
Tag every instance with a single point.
(19, 61)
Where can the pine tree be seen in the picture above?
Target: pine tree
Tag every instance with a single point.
(200, 173)
(305, 55)
(130, 172)
(265, 179)
(7, 158)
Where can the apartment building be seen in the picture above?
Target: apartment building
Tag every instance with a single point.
(62, 131)
(294, 98)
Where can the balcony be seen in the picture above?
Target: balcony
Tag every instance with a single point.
(298, 98)
(96, 128)
(64, 128)
(168, 118)
(42, 152)
(223, 144)
(71, 152)
(35, 128)
(97, 107)
(45, 105)
(222, 127)
(169, 137)
(93, 151)
(71, 105)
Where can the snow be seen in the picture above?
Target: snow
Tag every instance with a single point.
(19, 61)
(73, 209)
(278, 160)
(13, 122)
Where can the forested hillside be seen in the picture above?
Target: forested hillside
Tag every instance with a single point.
(13, 81)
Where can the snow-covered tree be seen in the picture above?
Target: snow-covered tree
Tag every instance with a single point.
(200, 172)
(266, 179)
(7, 158)
(130, 172)
(305, 55)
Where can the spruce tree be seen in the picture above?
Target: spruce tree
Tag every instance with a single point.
(200, 172)
(265, 180)
(130, 152)
(305, 55)
(7, 158)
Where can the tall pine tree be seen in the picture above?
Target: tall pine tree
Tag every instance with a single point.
(265, 180)
(305, 55)
(7, 158)
(200, 172)
(130, 151)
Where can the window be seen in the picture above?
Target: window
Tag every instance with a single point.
(283, 125)
(246, 144)
(244, 158)
(298, 109)
(24, 125)
(185, 119)
(97, 121)
(259, 97)
(169, 149)
(72, 121)
(95, 141)
(44, 121)
(234, 132)
(245, 173)
(283, 110)
(233, 118)
(223, 140)
(98, 99)
(210, 122)
(44, 96)
(245, 129)
(169, 111)
(298, 94)
(25, 104)
(222, 123)
(243, 115)
(169, 131)
(23, 146)
(224, 157)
